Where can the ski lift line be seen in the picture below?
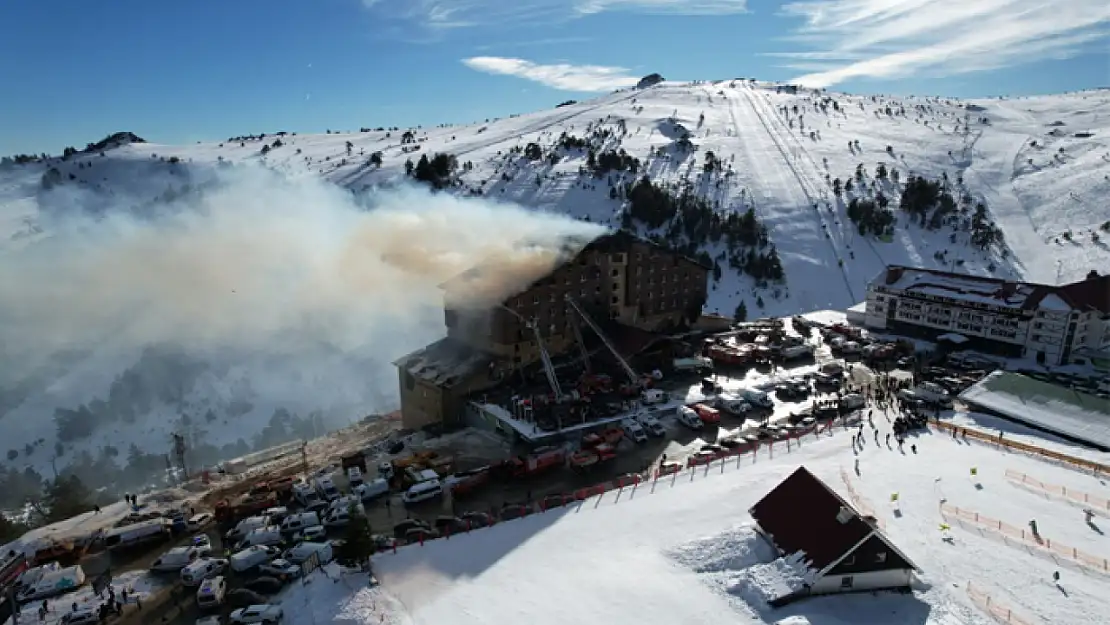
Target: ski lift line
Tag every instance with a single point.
(777, 140)
(632, 377)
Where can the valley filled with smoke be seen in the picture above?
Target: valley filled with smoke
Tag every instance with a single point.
(244, 309)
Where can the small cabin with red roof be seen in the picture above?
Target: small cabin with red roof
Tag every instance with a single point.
(845, 550)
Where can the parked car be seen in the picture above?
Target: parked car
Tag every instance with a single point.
(265, 585)
(202, 569)
(477, 519)
(199, 521)
(280, 568)
(689, 418)
(212, 593)
(83, 616)
(264, 613)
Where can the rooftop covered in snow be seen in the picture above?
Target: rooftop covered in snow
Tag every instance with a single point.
(1068, 413)
(1092, 293)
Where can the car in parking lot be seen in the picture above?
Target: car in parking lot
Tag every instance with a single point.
(265, 585)
(264, 613)
(477, 519)
(280, 568)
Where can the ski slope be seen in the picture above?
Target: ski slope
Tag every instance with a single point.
(1040, 164)
(778, 170)
(682, 551)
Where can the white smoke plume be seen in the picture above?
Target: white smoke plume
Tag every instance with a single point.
(260, 264)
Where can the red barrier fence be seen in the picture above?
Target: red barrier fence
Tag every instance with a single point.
(1027, 537)
(792, 441)
(998, 611)
(1094, 502)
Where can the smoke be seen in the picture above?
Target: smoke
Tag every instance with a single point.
(261, 267)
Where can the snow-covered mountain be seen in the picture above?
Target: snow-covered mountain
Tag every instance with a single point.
(1010, 187)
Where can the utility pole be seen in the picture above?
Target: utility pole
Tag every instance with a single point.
(304, 459)
(179, 449)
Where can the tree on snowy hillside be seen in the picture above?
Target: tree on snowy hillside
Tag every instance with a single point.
(358, 543)
(436, 171)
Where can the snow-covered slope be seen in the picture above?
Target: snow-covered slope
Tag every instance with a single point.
(1039, 165)
(684, 549)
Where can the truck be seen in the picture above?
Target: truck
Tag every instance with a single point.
(729, 355)
(465, 483)
(540, 460)
(732, 404)
(794, 352)
(252, 503)
(584, 459)
(699, 364)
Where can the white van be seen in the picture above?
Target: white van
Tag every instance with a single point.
(202, 569)
(153, 530)
(340, 517)
(354, 476)
(245, 527)
(297, 522)
(368, 491)
(423, 491)
(304, 551)
(732, 404)
(179, 557)
(251, 557)
(344, 502)
(633, 430)
(211, 593)
(54, 583)
(199, 521)
(306, 495)
(268, 535)
(326, 487)
(689, 417)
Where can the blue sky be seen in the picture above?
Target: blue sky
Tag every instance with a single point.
(174, 72)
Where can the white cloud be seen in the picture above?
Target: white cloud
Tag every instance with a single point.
(448, 14)
(557, 75)
(897, 38)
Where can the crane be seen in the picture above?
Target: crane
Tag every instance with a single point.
(545, 357)
(632, 377)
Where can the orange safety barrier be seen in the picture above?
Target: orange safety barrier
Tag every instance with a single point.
(1091, 501)
(1027, 537)
(997, 611)
(1025, 447)
(859, 501)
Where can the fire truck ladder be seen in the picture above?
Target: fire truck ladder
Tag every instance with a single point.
(581, 346)
(545, 357)
(632, 377)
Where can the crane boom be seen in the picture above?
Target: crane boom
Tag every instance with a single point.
(632, 377)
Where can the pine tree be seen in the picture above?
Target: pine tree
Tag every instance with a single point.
(359, 545)
(66, 497)
(741, 314)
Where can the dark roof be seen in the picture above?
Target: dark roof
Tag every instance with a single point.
(800, 514)
(1092, 294)
(444, 362)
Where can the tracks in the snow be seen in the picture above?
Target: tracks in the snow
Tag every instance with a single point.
(813, 195)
